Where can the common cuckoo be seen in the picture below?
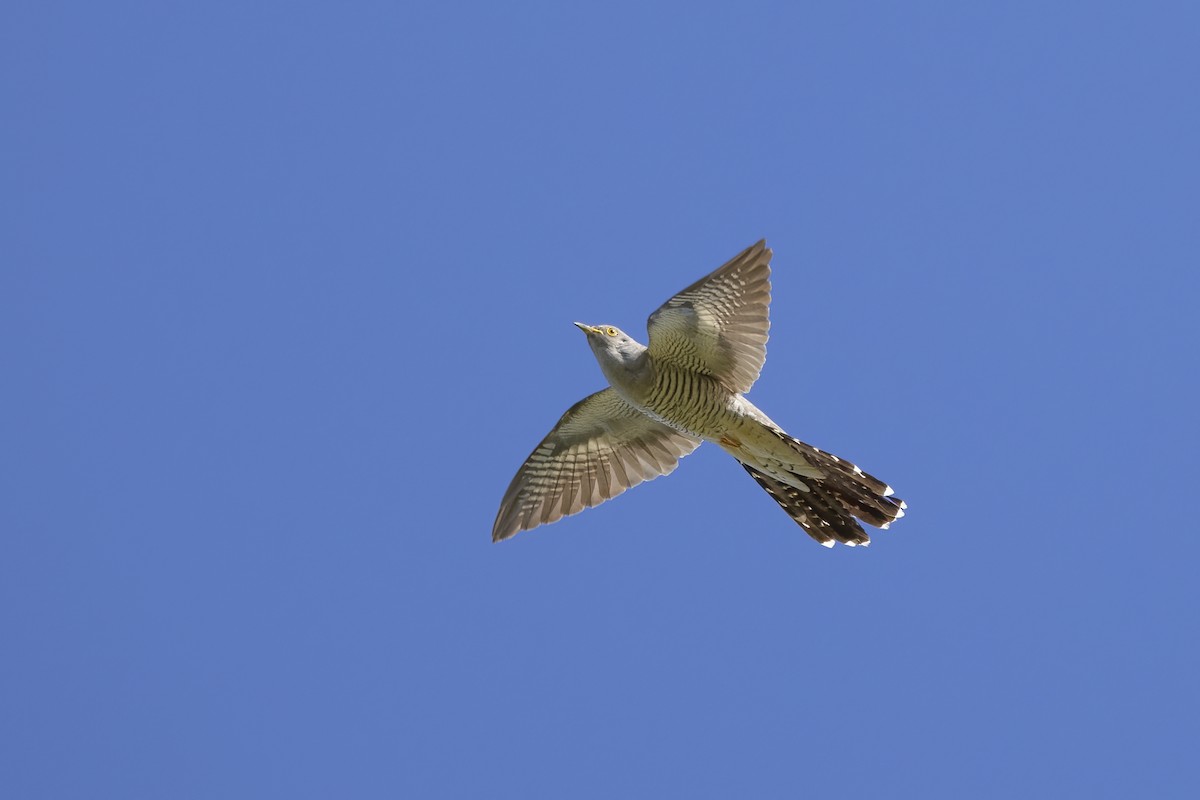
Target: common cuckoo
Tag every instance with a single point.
(707, 347)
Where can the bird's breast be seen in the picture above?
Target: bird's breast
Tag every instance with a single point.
(690, 402)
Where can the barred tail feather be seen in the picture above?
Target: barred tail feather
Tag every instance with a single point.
(828, 509)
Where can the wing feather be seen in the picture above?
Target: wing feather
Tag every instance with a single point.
(719, 324)
(601, 447)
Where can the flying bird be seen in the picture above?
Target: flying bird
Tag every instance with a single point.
(707, 347)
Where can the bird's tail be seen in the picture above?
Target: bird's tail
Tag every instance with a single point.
(827, 506)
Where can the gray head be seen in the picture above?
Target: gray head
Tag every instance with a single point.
(616, 351)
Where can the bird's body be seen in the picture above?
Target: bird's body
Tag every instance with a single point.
(701, 407)
(707, 346)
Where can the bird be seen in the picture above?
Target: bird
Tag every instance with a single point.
(707, 347)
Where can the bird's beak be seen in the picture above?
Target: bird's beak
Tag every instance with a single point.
(587, 328)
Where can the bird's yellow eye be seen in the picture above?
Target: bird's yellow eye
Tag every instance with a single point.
(611, 331)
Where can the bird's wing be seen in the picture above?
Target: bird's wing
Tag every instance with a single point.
(718, 325)
(601, 447)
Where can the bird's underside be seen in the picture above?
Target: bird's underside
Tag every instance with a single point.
(707, 347)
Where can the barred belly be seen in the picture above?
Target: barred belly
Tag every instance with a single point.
(692, 403)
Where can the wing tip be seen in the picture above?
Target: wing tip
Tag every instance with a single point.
(759, 248)
(502, 532)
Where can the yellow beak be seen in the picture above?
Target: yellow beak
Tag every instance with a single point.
(587, 328)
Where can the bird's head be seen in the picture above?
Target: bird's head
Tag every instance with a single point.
(612, 346)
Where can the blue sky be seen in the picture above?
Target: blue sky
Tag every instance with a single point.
(286, 297)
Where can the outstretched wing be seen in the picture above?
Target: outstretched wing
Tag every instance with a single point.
(718, 325)
(601, 447)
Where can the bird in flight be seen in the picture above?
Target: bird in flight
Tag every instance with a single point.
(707, 347)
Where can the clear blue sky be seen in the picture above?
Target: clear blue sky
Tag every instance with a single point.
(286, 293)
